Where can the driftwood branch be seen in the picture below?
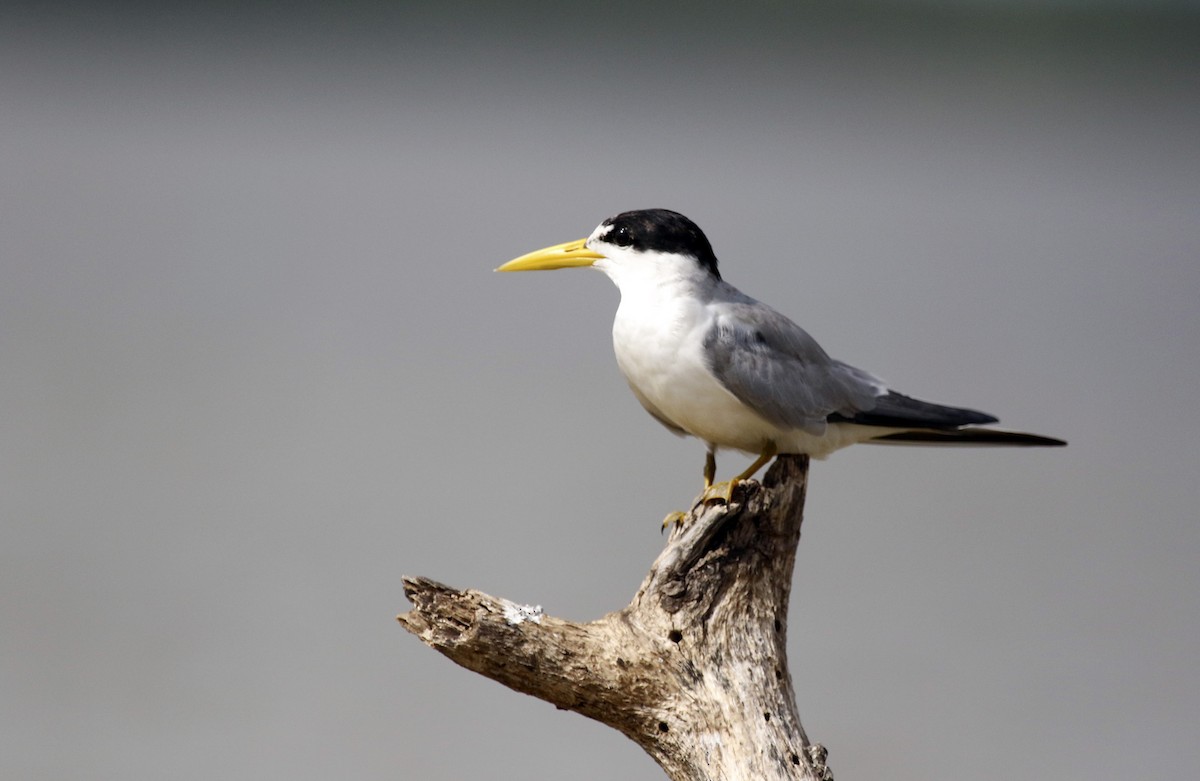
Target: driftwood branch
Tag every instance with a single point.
(694, 669)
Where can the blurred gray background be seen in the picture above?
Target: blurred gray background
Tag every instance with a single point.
(254, 367)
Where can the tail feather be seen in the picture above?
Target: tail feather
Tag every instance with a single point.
(966, 436)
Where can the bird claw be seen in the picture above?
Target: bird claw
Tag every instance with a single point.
(718, 492)
(674, 519)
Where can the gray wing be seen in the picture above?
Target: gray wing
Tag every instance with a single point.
(773, 366)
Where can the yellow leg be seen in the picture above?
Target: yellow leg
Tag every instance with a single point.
(724, 491)
(710, 471)
(769, 452)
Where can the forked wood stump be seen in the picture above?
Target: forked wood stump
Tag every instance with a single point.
(694, 669)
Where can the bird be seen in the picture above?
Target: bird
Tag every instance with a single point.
(707, 360)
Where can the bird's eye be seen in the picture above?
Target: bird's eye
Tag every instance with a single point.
(622, 236)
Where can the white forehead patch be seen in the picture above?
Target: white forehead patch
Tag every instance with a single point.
(602, 230)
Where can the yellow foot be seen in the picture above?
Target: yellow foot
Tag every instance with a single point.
(674, 519)
(719, 492)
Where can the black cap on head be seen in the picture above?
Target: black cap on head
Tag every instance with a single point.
(662, 230)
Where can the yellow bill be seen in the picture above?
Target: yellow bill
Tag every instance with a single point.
(569, 255)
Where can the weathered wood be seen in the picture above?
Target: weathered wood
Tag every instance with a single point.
(694, 669)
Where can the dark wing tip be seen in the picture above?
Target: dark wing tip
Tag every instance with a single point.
(897, 410)
(971, 436)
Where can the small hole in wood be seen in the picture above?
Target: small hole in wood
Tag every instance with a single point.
(778, 625)
(662, 726)
(675, 635)
(767, 716)
(795, 759)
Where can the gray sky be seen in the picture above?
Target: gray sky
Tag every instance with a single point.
(256, 367)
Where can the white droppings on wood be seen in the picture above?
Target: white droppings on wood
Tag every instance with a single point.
(516, 614)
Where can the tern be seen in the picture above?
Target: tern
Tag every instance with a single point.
(709, 361)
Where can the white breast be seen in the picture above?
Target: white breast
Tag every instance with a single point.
(658, 338)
